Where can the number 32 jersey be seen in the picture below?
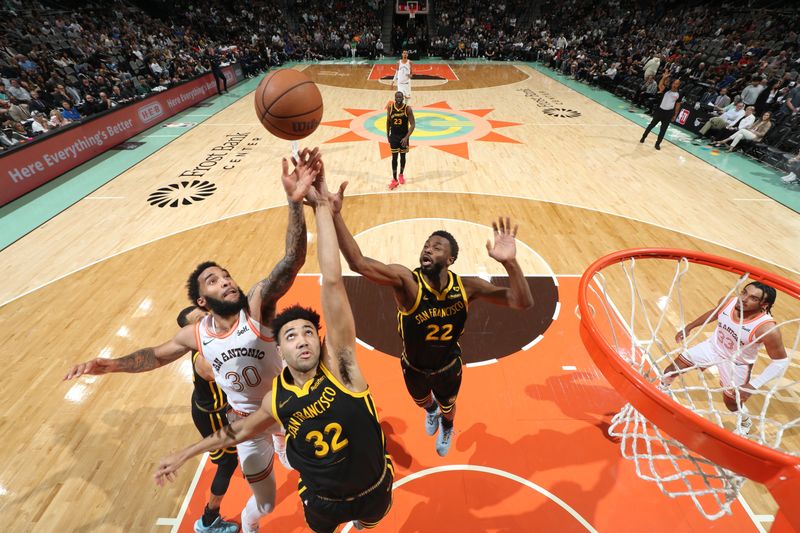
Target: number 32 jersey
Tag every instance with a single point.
(333, 437)
(244, 360)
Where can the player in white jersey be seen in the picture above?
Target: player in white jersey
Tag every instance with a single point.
(402, 76)
(744, 326)
(234, 339)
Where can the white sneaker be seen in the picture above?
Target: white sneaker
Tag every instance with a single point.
(279, 443)
(443, 440)
(432, 421)
(245, 522)
(789, 178)
(743, 426)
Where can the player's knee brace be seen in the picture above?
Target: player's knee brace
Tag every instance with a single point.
(225, 469)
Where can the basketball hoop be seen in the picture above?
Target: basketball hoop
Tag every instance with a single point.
(413, 8)
(677, 438)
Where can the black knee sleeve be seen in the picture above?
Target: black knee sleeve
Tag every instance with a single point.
(225, 469)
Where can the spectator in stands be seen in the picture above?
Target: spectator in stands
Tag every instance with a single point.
(37, 103)
(726, 119)
(69, 112)
(790, 104)
(90, 106)
(105, 103)
(651, 67)
(18, 111)
(767, 98)
(17, 91)
(57, 119)
(40, 125)
(754, 133)
(722, 101)
(751, 92)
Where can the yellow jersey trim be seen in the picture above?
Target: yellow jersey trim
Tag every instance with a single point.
(341, 387)
(417, 301)
(463, 292)
(439, 295)
(275, 399)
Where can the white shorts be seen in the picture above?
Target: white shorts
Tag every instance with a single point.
(256, 455)
(405, 88)
(731, 374)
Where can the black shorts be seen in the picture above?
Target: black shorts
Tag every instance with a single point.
(444, 385)
(325, 515)
(207, 424)
(396, 146)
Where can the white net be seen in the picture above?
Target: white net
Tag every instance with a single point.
(640, 305)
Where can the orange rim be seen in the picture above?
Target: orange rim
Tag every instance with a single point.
(779, 471)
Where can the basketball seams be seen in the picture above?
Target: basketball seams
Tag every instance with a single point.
(283, 117)
(284, 93)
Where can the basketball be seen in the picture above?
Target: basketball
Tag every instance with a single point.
(288, 104)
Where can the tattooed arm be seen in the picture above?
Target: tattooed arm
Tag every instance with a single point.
(264, 295)
(227, 436)
(142, 360)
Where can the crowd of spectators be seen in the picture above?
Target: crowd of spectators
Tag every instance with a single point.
(63, 61)
(738, 66)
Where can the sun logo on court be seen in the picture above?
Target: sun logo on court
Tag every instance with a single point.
(561, 112)
(183, 193)
(438, 126)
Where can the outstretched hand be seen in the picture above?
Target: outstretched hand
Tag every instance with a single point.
(167, 468)
(95, 367)
(505, 245)
(300, 180)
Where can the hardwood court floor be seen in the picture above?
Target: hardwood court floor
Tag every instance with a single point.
(106, 277)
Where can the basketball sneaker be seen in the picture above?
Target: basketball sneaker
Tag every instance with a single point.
(791, 177)
(357, 525)
(393, 185)
(217, 526)
(279, 444)
(743, 426)
(443, 440)
(432, 421)
(401, 179)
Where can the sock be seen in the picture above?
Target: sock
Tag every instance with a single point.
(394, 167)
(209, 515)
(447, 424)
(402, 162)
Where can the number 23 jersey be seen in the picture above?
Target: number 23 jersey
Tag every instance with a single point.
(244, 360)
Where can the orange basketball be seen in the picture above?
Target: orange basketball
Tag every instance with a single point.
(288, 104)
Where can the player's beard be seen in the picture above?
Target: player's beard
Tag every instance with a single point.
(433, 270)
(223, 308)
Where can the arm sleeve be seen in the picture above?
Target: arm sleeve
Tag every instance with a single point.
(775, 369)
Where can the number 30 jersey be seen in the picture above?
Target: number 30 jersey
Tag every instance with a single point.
(431, 328)
(333, 437)
(244, 360)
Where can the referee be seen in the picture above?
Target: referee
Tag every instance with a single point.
(666, 111)
(216, 70)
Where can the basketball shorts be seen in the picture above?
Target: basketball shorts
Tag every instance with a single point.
(207, 424)
(256, 456)
(324, 515)
(731, 374)
(405, 88)
(444, 384)
(395, 143)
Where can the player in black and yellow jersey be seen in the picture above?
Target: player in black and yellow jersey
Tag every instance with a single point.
(399, 127)
(322, 400)
(432, 309)
(209, 406)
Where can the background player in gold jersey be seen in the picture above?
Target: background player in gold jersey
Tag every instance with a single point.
(432, 306)
(322, 399)
(400, 124)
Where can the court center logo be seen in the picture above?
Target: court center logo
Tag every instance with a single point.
(183, 193)
(438, 126)
(561, 112)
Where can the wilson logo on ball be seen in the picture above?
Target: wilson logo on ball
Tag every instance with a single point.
(302, 127)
